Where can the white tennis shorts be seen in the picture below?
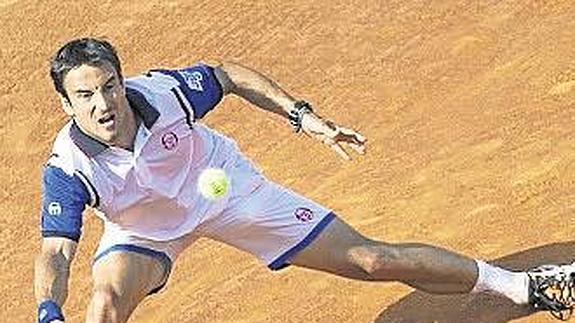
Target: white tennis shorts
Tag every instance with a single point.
(271, 222)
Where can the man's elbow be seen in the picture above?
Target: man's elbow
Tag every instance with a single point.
(224, 73)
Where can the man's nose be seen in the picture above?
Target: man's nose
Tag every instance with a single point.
(102, 102)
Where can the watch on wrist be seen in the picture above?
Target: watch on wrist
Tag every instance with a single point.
(296, 114)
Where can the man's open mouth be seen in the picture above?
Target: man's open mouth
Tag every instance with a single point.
(106, 120)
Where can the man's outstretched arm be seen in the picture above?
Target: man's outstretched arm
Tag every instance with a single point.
(267, 94)
(52, 270)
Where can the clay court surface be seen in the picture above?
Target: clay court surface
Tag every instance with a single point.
(468, 107)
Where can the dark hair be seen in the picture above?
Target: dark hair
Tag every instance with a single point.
(90, 51)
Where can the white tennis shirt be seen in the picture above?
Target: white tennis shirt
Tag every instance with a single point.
(150, 191)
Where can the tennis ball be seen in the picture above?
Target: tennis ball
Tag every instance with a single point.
(213, 183)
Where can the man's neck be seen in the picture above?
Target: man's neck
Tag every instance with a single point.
(128, 140)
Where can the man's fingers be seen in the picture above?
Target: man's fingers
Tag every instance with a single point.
(339, 150)
(351, 137)
(357, 137)
(355, 140)
(360, 149)
(336, 135)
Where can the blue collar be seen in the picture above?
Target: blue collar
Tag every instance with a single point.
(92, 147)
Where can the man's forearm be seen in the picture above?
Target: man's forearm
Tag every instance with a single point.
(51, 277)
(257, 89)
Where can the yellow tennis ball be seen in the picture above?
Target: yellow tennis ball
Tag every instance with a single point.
(213, 183)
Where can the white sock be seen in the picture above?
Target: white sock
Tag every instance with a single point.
(513, 285)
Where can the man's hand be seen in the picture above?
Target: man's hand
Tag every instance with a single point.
(333, 135)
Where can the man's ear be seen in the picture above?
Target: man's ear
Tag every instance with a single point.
(66, 105)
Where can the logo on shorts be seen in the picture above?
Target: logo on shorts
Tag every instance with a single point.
(54, 208)
(193, 79)
(303, 214)
(170, 140)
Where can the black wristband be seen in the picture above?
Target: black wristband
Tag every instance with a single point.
(296, 114)
(48, 311)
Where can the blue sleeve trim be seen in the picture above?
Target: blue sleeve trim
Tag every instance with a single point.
(183, 107)
(283, 260)
(72, 236)
(49, 311)
(161, 256)
(63, 202)
(200, 87)
(96, 197)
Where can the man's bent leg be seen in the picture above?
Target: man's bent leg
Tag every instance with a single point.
(122, 279)
(343, 251)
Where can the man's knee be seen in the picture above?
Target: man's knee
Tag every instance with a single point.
(104, 305)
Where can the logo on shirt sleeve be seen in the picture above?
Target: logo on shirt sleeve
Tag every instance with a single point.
(43, 314)
(193, 80)
(54, 208)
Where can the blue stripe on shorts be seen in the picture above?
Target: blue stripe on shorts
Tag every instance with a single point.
(282, 261)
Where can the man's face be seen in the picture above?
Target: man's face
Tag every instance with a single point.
(98, 101)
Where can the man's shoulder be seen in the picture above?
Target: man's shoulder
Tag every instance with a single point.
(193, 90)
(160, 92)
(65, 154)
(162, 80)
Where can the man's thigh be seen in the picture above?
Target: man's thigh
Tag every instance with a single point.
(133, 264)
(132, 275)
(122, 279)
(272, 222)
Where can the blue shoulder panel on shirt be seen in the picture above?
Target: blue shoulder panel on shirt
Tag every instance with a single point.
(200, 87)
(64, 199)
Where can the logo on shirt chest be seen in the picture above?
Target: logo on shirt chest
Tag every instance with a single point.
(170, 140)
